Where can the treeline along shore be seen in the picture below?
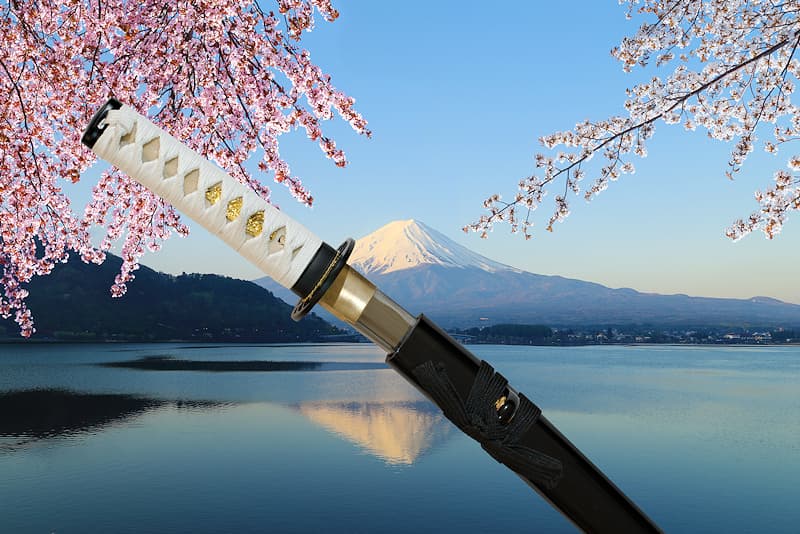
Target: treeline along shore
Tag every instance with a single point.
(74, 304)
(521, 334)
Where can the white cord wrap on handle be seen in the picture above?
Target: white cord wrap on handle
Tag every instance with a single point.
(271, 240)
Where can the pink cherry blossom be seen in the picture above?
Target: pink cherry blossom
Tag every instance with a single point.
(226, 76)
(729, 67)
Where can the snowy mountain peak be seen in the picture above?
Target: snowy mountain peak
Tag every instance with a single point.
(405, 244)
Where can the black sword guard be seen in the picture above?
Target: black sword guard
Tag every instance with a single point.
(319, 275)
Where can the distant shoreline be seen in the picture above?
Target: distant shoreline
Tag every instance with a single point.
(12, 341)
(206, 343)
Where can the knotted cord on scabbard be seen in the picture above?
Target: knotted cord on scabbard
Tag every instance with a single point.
(477, 417)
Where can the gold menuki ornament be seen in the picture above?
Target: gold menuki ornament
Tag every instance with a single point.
(234, 209)
(214, 193)
(255, 224)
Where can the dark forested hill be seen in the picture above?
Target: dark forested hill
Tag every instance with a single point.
(74, 303)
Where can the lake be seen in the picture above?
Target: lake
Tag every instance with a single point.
(704, 439)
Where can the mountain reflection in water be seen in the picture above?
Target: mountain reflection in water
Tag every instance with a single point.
(39, 414)
(399, 433)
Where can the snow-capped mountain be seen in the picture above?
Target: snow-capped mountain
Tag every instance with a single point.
(427, 272)
(407, 244)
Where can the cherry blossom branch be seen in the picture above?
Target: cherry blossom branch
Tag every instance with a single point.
(185, 64)
(746, 36)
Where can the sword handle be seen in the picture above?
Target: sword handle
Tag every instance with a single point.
(277, 244)
(273, 241)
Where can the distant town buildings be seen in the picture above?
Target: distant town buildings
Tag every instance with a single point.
(631, 335)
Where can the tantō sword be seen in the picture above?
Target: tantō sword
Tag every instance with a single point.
(474, 397)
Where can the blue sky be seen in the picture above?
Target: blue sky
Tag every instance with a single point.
(457, 95)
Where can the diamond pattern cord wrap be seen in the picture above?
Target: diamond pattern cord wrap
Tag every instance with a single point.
(274, 242)
(477, 417)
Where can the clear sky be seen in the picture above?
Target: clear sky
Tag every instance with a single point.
(457, 94)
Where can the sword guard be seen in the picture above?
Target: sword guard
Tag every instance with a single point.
(330, 263)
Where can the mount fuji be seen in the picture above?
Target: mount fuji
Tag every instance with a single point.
(402, 245)
(425, 271)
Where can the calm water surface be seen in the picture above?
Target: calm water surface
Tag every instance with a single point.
(703, 439)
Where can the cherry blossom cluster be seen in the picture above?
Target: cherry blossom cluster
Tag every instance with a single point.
(731, 69)
(226, 76)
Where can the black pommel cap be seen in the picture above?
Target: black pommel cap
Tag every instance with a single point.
(94, 131)
(319, 275)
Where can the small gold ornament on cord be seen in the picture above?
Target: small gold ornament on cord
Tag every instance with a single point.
(255, 224)
(214, 193)
(234, 209)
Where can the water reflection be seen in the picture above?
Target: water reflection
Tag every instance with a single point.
(33, 415)
(399, 433)
(650, 417)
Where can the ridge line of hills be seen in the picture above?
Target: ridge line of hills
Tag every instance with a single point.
(73, 303)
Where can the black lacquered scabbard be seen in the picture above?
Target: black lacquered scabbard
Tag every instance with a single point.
(581, 492)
